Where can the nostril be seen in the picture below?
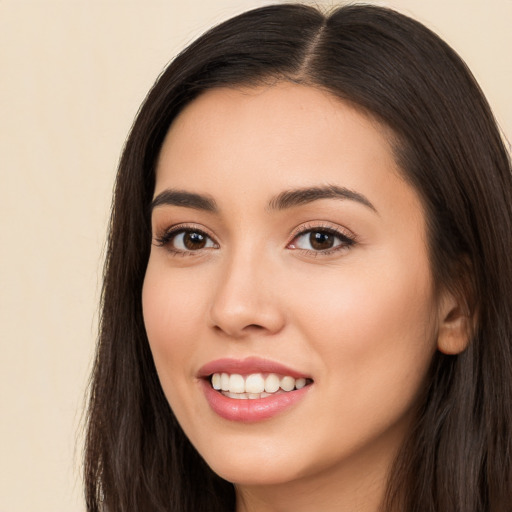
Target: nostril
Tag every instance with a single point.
(253, 329)
(244, 331)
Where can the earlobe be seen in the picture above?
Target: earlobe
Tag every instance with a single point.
(455, 324)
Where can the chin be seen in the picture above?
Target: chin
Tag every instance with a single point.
(253, 475)
(253, 467)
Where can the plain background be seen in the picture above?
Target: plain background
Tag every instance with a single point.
(72, 76)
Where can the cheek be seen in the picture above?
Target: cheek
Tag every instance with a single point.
(172, 309)
(374, 330)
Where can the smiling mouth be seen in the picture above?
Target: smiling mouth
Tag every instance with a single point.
(255, 385)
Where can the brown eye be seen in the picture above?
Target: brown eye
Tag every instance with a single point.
(321, 240)
(186, 241)
(193, 240)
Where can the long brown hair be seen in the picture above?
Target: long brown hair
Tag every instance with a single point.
(458, 456)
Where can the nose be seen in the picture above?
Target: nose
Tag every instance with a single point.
(246, 300)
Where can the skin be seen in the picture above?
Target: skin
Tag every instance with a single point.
(363, 321)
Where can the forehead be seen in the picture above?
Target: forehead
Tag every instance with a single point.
(259, 141)
(273, 122)
(301, 111)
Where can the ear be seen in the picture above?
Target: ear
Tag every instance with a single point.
(455, 324)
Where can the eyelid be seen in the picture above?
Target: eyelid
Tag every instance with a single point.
(325, 226)
(162, 237)
(345, 235)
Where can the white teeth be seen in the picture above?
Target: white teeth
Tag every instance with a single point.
(216, 378)
(300, 383)
(245, 396)
(287, 383)
(255, 385)
(271, 383)
(236, 383)
(237, 396)
(224, 382)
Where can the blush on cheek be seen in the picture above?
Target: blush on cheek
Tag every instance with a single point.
(378, 319)
(160, 315)
(171, 317)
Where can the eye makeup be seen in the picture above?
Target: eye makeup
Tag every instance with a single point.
(318, 239)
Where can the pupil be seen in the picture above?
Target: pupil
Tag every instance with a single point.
(321, 240)
(194, 241)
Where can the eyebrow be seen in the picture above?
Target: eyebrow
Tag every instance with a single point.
(301, 196)
(283, 201)
(186, 199)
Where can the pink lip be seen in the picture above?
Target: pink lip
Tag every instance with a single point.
(248, 410)
(247, 366)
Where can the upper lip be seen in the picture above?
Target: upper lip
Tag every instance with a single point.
(248, 366)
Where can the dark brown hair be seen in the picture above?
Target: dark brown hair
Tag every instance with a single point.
(458, 456)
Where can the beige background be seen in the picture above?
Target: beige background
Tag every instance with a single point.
(72, 75)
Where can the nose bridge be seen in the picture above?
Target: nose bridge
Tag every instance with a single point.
(245, 298)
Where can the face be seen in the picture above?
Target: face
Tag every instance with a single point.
(289, 268)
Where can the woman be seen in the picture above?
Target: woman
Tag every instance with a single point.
(307, 298)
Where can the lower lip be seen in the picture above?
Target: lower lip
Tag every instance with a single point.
(251, 410)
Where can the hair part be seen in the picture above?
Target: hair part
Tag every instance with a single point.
(447, 145)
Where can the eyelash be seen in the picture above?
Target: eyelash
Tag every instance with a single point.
(169, 235)
(346, 240)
